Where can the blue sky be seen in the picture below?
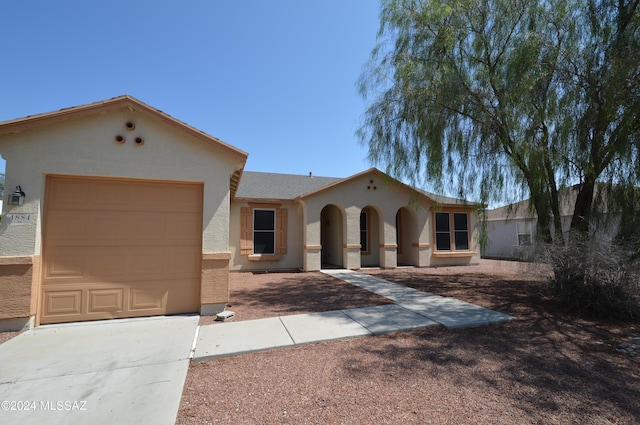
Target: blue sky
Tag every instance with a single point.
(274, 78)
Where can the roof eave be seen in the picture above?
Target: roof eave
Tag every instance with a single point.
(264, 200)
(126, 101)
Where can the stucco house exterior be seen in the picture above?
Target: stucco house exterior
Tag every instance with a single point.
(130, 212)
(511, 229)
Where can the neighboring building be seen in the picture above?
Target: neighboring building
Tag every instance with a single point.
(511, 232)
(129, 212)
(511, 229)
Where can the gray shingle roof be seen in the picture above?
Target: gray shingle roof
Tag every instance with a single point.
(259, 185)
(256, 185)
(441, 199)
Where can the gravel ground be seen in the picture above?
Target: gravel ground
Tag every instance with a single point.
(6, 336)
(548, 367)
(260, 295)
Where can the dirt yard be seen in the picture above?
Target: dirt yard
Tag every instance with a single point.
(548, 367)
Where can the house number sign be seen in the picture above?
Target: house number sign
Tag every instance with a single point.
(21, 218)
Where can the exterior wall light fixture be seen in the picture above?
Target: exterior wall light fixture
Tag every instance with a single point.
(17, 197)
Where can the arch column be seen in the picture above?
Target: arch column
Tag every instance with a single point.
(312, 255)
(352, 257)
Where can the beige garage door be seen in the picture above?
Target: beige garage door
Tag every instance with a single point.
(119, 248)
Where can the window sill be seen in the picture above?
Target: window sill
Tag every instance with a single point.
(264, 257)
(454, 254)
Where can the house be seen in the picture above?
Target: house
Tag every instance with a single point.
(125, 211)
(511, 229)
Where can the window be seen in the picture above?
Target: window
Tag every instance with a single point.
(264, 231)
(461, 231)
(524, 233)
(364, 231)
(444, 235)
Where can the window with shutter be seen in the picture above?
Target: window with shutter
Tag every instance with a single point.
(263, 231)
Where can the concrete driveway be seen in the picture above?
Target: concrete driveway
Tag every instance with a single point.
(110, 372)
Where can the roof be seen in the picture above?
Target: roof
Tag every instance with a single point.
(289, 187)
(525, 210)
(517, 210)
(116, 103)
(446, 200)
(256, 185)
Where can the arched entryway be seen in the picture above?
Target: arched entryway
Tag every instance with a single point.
(407, 237)
(331, 234)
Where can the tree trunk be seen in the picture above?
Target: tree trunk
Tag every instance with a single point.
(583, 208)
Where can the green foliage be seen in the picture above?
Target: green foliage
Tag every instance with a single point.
(487, 96)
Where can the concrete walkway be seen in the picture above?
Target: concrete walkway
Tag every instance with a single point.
(412, 309)
(128, 371)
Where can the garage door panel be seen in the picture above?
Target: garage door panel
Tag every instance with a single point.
(65, 262)
(180, 304)
(65, 303)
(149, 197)
(109, 195)
(184, 262)
(106, 263)
(150, 296)
(147, 263)
(120, 249)
(184, 228)
(105, 300)
(106, 228)
(68, 194)
(184, 199)
(66, 227)
(144, 228)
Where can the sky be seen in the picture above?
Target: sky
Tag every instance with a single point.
(276, 78)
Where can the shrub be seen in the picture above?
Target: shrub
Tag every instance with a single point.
(596, 279)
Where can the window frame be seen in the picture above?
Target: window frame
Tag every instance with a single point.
(528, 225)
(441, 232)
(265, 231)
(366, 249)
(452, 232)
(455, 231)
(247, 228)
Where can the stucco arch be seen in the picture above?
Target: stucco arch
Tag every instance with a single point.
(332, 231)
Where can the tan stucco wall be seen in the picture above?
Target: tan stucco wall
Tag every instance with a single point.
(86, 147)
(16, 285)
(292, 260)
(369, 190)
(214, 285)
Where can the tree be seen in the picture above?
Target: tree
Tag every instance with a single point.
(600, 79)
(486, 95)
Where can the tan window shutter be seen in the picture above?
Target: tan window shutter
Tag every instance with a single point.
(246, 231)
(281, 231)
